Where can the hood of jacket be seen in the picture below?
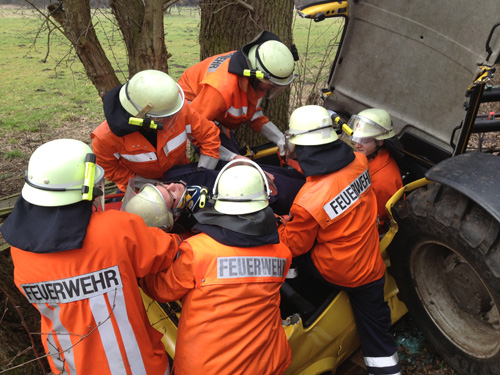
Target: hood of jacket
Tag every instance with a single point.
(40, 229)
(116, 116)
(324, 159)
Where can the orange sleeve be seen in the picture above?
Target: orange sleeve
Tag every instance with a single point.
(176, 281)
(209, 103)
(258, 122)
(205, 134)
(113, 169)
(300, 233)
(154, 250)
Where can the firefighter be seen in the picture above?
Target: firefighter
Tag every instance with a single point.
(229, 88)
(79, 267)
(332, 233)
(374, 137)
(229, 278)
(147, 128)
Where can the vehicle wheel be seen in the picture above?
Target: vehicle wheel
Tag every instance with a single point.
(446, 261)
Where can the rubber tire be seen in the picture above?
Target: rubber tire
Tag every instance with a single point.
(445, 259)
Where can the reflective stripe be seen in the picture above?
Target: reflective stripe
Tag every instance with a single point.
(127, 333)
(54, 352)
(257, 115)
(393, 360)
(140, 158)
(102, 318)
(238, 112)
(188, 128)
(65, 353)
(349, 196)
(175, 142)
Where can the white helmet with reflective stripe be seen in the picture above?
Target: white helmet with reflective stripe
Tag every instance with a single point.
(150, 205)
(61, 172)
(241, 188)
(373, 123)
(151, 93)
(275, 59)
(311, 125)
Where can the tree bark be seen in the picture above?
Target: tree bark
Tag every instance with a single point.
(143, 31)
(142, 28)
(228, 25)
(74, 17)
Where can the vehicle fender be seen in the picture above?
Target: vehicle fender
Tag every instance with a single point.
(475, 175)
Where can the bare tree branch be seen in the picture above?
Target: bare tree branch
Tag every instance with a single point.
(33, 347)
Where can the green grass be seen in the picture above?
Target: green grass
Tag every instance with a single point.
(41, 89)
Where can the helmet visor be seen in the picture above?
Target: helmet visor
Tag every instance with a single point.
(154, 211)
(364, 129)
(167, 122)
(268, 88)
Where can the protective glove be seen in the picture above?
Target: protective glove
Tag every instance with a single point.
(271, 132)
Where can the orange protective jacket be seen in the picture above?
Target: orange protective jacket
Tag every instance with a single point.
(386, 180)
(93, 319)
(230, 322)
(222, 96)
(130, 155)
(334, 217)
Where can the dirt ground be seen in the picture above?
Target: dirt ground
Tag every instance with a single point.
(12, 169)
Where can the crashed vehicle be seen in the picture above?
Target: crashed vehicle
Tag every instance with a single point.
(429, 64)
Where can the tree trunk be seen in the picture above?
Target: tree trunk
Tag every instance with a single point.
(74, 16)
(142, 28)
(226, 26)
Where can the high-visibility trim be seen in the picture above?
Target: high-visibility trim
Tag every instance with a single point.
(188, 128)
(75, 288)
(63, 354)
(134, 355)
(54, 353)
(218, 62)
(238, 112)
(139, 158)
(250, 266)
(347, 197)
(102, 318)
(257, 114)
(175, 142)
(393, 360)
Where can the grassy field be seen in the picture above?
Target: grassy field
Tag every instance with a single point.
(46, 93)
(44, 83)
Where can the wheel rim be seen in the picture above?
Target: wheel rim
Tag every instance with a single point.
(456, 299)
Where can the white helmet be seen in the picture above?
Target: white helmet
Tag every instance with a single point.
(373, 123)
(61, 172)
(311, 125)
(150, 205)
(151, 93)
(275, 59)
(241, 188)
